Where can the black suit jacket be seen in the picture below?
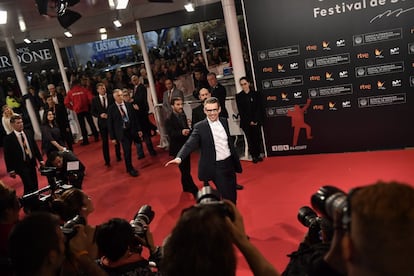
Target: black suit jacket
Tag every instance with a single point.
(140, 98)
(97, 109)
(115, 122)
(220, 93)
(13, 152)
(198, 114)
(250, 108)
(202, 137)
(174, 130)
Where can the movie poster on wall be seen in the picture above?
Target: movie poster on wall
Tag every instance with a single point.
(335, 76)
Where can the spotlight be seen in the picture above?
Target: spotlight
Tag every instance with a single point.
(117, 23)
(104, 36)
(189, 7)
(3, 17)
(22, 24)
(27, 40)
(102, 30)
(67, 33)
(121, 4)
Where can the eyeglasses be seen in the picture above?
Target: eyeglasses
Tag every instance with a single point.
(245, 83)
(211, 110)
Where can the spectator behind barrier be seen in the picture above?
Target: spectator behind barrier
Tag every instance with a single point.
(121, 249)
(202, 244)
(375, 236)
(37, 247)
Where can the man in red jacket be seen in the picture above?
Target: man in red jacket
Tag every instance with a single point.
(79, 100)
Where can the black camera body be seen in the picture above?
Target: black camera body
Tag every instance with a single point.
(142, 219)
(69, 229)
(209, 196)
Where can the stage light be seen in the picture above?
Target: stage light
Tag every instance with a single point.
(111, 4)
(117, 23)
(104, 36)
(189, 7)
(22, 24)
(102, 30)
(67, 33)
(3, 17)
(121, 4)
(27, 40)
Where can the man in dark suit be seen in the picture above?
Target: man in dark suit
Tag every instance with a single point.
(218, 91)
(198, 112)
(178, 130)
(219, 160)
(20, 154)
(140, 104)
(99, 109)
(124, 127)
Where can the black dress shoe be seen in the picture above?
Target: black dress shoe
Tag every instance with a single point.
(260, 159)
(255, 160)
(84, 143)
(133, 172)
(108, 164)
(118, 159)
(239, 187)
(153, 153)
(141, 157)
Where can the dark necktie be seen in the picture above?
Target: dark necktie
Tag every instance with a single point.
(104, 102)
(26, 152)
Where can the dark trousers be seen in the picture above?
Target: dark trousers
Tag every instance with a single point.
(126, 143)
(67, 137)
(186, 179)
(29, 178)
(81, 118)
(105, 146)
(253, 136)
(140, 149)
(225, 179)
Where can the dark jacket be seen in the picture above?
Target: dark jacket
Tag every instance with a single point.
(174, 130)
(115, 122)
(202, 137)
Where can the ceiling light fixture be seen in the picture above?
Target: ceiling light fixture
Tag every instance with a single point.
(189, 7)
(3, 17)
(22, 24)
(104, 36)
(117, 23)
(102, 30)
(121, 4)
(27, 40)
(111, 4)
(67, 33)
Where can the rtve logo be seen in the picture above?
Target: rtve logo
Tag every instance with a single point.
(363, 55)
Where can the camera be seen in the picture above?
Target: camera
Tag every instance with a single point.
(308, 217)
(328, 200)
(208, 196)
(142, 219)
(69, 229)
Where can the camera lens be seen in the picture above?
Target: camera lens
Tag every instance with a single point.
(208, 195)
(307, 216)
(327, 200)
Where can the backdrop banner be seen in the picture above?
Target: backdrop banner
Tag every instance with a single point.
(335, 76)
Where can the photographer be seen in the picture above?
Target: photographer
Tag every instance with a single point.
(121, 249)
(37, 247)
(314, 246)
(374, 228)
(202, 242)
(9, 215)
(60, 160)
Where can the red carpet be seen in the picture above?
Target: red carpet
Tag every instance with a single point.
(274, 190)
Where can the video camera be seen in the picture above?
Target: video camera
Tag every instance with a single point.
(41, 199)
(208, 196)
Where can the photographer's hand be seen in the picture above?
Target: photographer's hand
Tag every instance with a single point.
(257, 262)
(334, 256)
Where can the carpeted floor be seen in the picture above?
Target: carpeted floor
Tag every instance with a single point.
(274, 190)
